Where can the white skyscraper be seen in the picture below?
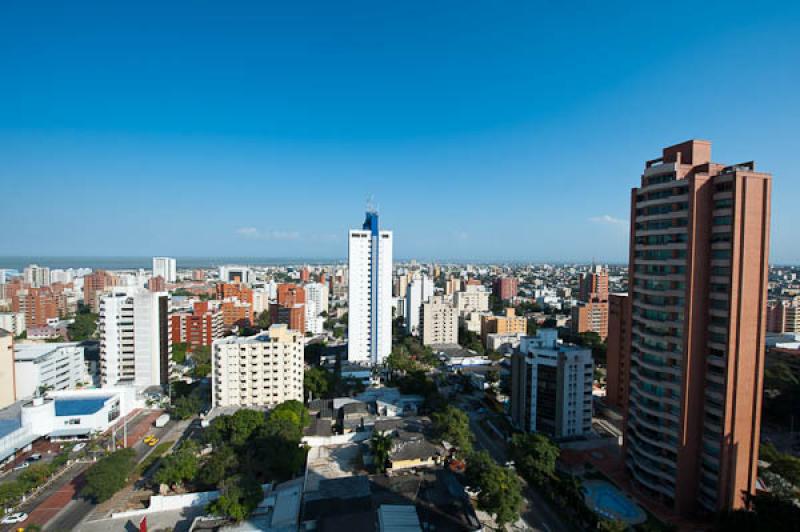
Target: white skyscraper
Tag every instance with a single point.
(37, 276)
(135, 346)
(370, 292)
(419, 291)
(165, 267)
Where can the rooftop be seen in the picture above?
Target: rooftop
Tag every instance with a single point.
(28, 352)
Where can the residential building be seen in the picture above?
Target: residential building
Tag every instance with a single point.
(419, 290)
(157, 284)
(370, 292)
(135, 346)
(453, 285)
(317, 297)
(783, 316)
(261, 370)
(166, 268)
(13, 322)
(52, 366)
(590, 316)
(236, 274)
(293, 316)
(698, 282)
(36, 276)
(594, 284)
(234, 291)
(95, 285)
(38, 305)
(618, 352)
(551, 387)
(197, 328)
(506, 288)
(8, 383)
(235, 312)
(473, 298)
(508, 323)
(438, 322)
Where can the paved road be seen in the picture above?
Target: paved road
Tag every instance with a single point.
(538, 513)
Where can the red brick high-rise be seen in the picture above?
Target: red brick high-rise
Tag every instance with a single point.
(198, 328)
(698, 286)
(290, 307)
(506, 288)
(618, 351)
(94, 284)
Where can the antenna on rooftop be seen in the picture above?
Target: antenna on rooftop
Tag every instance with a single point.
(371, 207)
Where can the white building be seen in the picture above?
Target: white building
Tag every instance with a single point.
(473, 298)
(551, 387)
(62, 276)
(419, 290)
(261, 370)
(166, 268)
(316, 304)
(37, 276)
(13, 322)
(369, 293)
(54, 366)
(438, 322)
(236, 274)
(135, 332)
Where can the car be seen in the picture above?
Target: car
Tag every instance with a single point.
(23, 465)
(35, 457)
(78, 447)
(10, 519)
(148, 438)
(153, 442)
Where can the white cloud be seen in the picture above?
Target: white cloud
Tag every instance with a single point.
(255, 234)
(608, 219)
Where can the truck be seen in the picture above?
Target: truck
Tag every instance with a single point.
(161, 420)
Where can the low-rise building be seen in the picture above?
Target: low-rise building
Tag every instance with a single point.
(13, 322)
(508, 323)
(51, 366)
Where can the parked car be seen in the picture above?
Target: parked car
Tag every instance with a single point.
(18, 517)
(23, 465)
(78, 447)
(35, 457)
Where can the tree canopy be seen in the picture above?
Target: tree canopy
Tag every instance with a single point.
(108, 475)
(452, 425)
(500, 488)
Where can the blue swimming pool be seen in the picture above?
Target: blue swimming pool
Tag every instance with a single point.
(79, 407)
(608, 502)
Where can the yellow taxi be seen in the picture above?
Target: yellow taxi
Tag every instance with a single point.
(152, 442)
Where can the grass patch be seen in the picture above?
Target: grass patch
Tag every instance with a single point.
(151, 459)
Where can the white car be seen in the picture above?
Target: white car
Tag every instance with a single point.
(78, 447)
(23, 465)
(18, 517)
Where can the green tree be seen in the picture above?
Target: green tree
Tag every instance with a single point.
(500, 488)
(293, 411)
(535, 456)
(108, 475)
(222, 463)
(243, 424)
(179, 352)
(239, 496)
(317, 382)
(263, 320)
(452, 425)
(186, 407)
(180, 466)
(83, 328)
(381, 446)
(202, 360)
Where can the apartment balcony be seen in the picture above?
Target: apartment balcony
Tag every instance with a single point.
(658, 487)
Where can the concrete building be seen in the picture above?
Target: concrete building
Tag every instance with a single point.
(473, 298)
(236, 274)
(261, 370)
(135, 332)
(419, 290)
(590, 316)
(783, 316)
(438, 322)
(317, 297)
(54, 366)
(505, 288)
(508, 323)
(698, 282)
(618, 352)
(551, 387)
(8, 385)
(197, 328)
(369, 293)
(13, 322)
(95, 285)
(36, 276)
(166, 268)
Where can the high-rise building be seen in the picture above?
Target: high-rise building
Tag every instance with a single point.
(618, 352)
(506, 288)
(438, 322)
(37, 276)
(370, 292)
(591, 313)
(551, 386)
(316, 304)
(135, 346)
(8, 383)
(13, 322)
(261, 370)
(594, 284)
(166, 268)
(290, 308)
(95, 285)
(236, 274)
(197, 328)
(37, 304)
(698, 285)
(473, 298)
(419, 290)
(157, 284)
(783, 316)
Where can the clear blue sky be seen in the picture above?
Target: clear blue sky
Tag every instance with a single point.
(507, 130)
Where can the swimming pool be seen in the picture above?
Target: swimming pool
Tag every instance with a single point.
(610, 503)
(79, 406)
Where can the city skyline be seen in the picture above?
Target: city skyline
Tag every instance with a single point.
(490, 108)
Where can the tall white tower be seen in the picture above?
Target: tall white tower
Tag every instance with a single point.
(165, 267)
(370, 292)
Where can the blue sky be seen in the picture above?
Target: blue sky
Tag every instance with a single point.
(484, 130)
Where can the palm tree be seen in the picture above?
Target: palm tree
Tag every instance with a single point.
(381, 445)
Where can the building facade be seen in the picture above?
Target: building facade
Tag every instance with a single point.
(166, 268)
(507, 323)
(473, 298)
(618, 351)
(197, 328)
(8, 384)
(551, 387)
(697, 279)
(262, 370)
(506, 288)
(419, 290)
(438, 322)
(135, 338)
(369, 292)
(53, 366)
(13, 322)
(783, 316)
